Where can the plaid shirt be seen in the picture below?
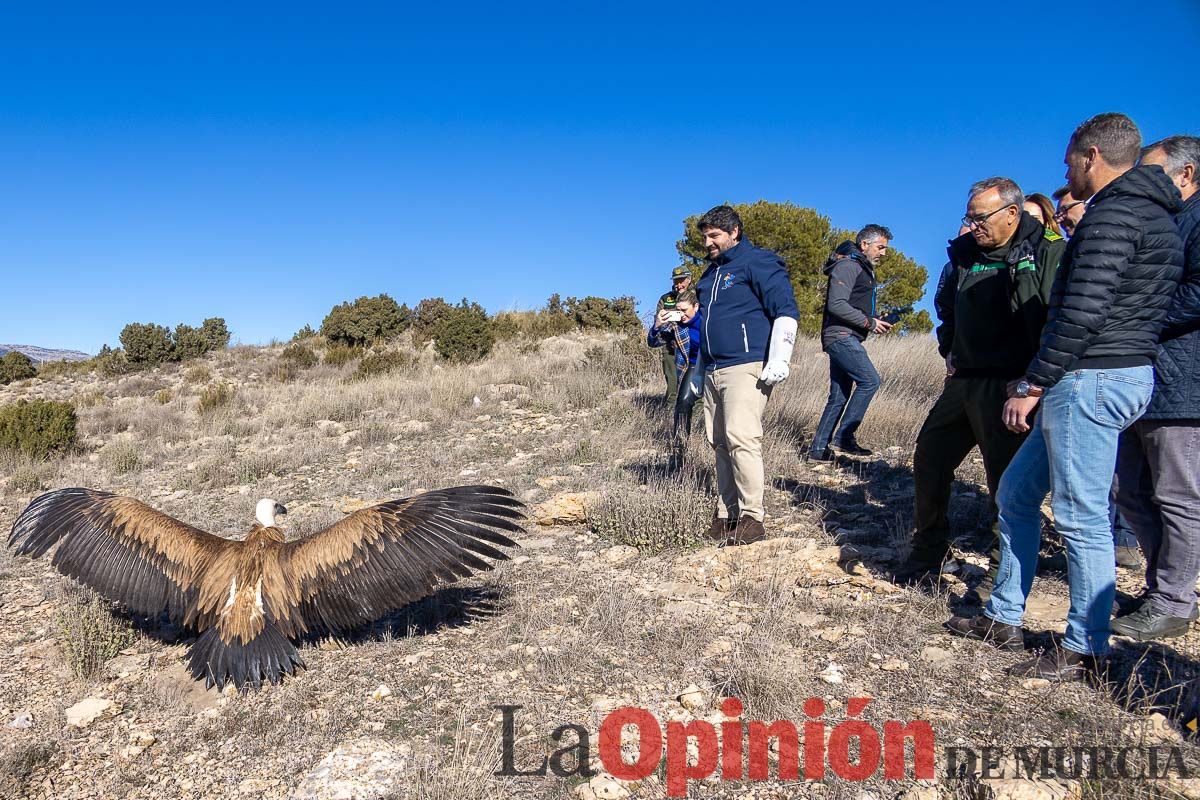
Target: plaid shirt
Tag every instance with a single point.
(676, 337)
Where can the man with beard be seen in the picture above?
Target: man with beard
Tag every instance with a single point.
(993, 309)
(747, 335)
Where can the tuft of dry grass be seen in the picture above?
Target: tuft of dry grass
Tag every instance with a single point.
(214, 396)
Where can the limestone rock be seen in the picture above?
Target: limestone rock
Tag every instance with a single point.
(565, 508)
(692, 698)
(618, 554)
(365, 768)
(85, 712)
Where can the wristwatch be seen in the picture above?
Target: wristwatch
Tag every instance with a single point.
(1027, 389)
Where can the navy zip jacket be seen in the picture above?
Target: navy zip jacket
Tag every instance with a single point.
(742, 293)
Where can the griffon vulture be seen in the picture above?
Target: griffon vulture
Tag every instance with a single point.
(249, 600)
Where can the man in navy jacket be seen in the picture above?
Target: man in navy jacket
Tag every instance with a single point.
(746, 340)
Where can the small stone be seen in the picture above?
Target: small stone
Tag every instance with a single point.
(381, 692)
(618, 554)
(1035, 684)
(935, 655)
(895, 665)
(22, 721)
(85, 712)
(831, 674)
(692, 698)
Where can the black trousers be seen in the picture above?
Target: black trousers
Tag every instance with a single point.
(968, 413)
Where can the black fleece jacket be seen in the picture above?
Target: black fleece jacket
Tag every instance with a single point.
(1116, 282)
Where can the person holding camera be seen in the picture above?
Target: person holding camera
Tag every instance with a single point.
(681, 325)
(681, 281)
(993, 307)
(849, 317)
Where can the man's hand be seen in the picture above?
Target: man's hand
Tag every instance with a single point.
(1016, 413)
(880, 326)
(775, 372)
(950, 368)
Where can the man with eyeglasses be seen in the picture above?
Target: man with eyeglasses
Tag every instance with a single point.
(1091, 379)
(993, 305)
(1070, 210)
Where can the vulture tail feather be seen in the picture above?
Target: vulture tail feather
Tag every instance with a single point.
(265, 657)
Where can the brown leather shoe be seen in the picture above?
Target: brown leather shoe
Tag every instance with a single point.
(748, 531)
(986, 629)
(720, 529)
(1060, 665)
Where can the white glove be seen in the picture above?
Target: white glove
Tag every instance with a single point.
(774, 372)
(779, 355)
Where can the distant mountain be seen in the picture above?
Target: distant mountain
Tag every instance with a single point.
(43, 354)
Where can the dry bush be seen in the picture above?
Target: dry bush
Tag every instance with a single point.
(214, 396)
(21, 761)
(122, 456)
(163, 396)
(197, 374)
(627, 361)
(337, 355)
(663, 513)
(381, 362)
(88, 632)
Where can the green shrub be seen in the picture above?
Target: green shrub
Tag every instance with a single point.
(89, 635)
(463, 334)
(428, 313)
(146, 344)
(15, 366)
(215, 333)
(197, 375)
(598, 313)
(189, 343)
(337, 354)
(365, 320)
(110, 363)
(299, 355)
(304, 333)
(37, 428)
(214, 396)
(383, 361)
(552, 320)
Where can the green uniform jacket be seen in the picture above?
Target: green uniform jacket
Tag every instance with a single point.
(996, 301)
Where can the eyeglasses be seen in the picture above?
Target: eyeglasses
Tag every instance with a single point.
(1061, 214)
(975, 222)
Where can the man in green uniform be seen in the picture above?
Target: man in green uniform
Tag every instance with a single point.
(681, 280)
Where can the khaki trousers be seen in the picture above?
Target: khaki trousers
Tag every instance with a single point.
(734, 401)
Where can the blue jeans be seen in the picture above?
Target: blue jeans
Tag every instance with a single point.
(1071, 452)
(850, 370)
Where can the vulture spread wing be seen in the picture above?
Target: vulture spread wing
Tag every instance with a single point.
(382, 558)
(120, 547)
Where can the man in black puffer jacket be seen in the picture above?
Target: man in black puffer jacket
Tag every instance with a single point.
(1158, 484)
(1093, 377)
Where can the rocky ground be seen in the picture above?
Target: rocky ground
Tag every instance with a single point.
(579, 623)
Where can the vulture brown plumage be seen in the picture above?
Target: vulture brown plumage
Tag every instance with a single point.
(249, 600)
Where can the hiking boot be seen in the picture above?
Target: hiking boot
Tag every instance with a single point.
(748, 531)
(1126, 604)
(1129, 557)
(854, 449)
(720, 529)
(1147, 623)
(986, 629)
(821, 455)
(1059, 665)
(918, 569)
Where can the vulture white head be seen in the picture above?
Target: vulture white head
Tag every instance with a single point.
(266, 511)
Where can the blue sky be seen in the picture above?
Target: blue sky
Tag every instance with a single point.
(263, 165)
